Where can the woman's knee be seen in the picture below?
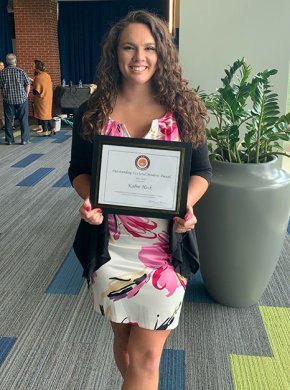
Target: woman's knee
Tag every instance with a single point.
(147, 361)
(145, 349)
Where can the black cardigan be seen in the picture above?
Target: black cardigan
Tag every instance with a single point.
(91, 241)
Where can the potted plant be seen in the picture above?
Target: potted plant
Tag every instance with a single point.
(243, 217)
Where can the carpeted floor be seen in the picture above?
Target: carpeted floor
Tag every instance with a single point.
(50, 338)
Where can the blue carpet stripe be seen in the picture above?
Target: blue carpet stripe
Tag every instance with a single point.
(36, 140)
(196, 291)
(288, 230)
(61, 138)
(172, 370)
(35, 177)
(6, 344)
(68, 279)
(63, 182)
(27, 160)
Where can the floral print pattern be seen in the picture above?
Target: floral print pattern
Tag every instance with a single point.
(163, 275)
(138, 227)
(139, 285)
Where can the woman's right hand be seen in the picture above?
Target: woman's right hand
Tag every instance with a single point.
(92, 216)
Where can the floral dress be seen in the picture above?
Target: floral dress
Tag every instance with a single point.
(139, 286)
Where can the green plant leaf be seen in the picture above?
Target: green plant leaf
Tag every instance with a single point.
(251, 105)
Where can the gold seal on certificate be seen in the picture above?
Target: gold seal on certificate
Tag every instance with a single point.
(142, 162)
(140, 177)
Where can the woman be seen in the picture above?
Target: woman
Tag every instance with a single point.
(140, 94)
(42, 91)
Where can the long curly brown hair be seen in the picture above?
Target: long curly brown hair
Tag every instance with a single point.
(170, 88)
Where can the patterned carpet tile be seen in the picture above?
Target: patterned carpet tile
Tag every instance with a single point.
(37, 140)
(68, 279)
(61, 138)
(27, 160)
(259, 372)
(196, 291)
(278, 290)
(172, 370)
(6, 344)
(63, 182)
(35, 177)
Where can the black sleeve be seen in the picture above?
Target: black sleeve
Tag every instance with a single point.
(81, 150)
(200, 164)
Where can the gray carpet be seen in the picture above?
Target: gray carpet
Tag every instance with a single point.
(57, 341)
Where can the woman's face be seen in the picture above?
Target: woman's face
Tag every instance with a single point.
(1, 65)
(137, 56)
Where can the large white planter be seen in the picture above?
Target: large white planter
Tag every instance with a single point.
(242, 222)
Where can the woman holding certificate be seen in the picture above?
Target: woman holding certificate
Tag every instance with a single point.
(136, 264)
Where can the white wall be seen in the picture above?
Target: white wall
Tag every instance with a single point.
(214, 33)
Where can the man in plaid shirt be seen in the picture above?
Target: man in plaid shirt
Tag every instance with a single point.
(15, 87)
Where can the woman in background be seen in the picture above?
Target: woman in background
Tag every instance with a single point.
(42, 91)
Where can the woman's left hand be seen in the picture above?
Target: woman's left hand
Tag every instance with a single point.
(183, 225)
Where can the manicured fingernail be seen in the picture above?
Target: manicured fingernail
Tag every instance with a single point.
(174, 219)
(99, 210)
(187, 217)
(88, 208)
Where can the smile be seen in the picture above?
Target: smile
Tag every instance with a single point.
(138, 68)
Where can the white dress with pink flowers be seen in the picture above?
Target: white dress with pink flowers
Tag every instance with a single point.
(139, 285)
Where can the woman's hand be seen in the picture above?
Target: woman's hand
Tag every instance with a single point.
(186, 224)
(94, 217)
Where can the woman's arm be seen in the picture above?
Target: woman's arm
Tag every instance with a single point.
(201, 173)
(81, 150)
(197, 187)
(80, 170)
(82, 185)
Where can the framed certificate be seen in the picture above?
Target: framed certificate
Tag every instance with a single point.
(135, 176)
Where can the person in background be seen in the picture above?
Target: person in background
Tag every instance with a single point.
(15, 87)
(2, 66)
(139, 285)
(43, 92)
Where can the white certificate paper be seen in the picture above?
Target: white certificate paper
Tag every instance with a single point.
(139, 177)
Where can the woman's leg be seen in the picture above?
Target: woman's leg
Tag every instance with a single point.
(39, 128)
(44, 124)
(121, 339)
(51, 127)
(145, 349)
